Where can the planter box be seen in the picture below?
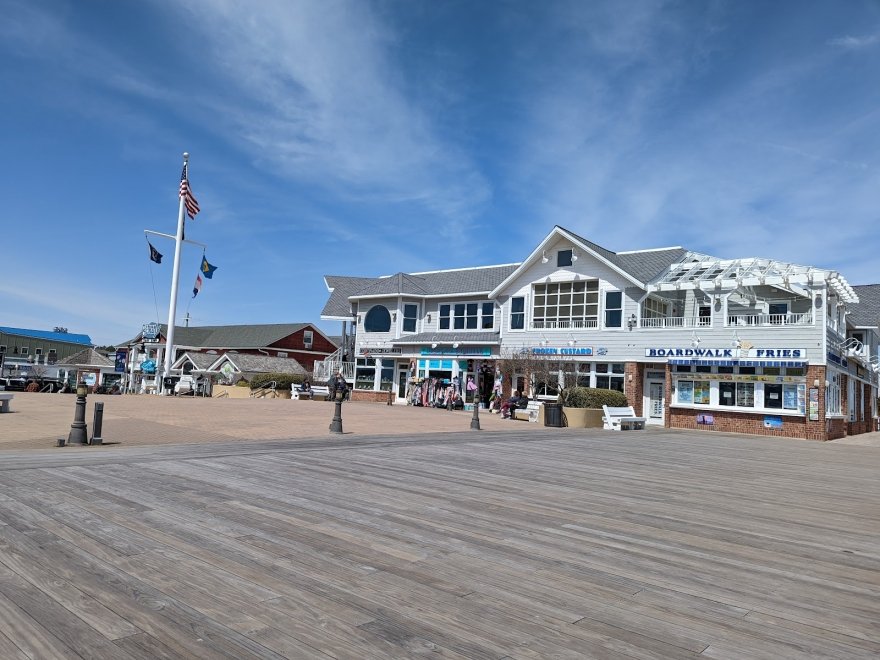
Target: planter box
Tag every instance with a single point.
(583, 418)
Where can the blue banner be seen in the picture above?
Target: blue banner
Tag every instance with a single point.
(121, 356)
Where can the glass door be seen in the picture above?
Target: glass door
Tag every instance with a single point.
(655, 402)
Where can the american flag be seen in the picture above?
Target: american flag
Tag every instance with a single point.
(189, 200)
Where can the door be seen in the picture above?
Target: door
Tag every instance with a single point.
(402, 378)
(655, 408)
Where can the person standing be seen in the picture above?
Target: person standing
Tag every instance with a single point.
(338, 384)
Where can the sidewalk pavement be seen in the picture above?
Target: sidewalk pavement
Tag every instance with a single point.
(36, 421)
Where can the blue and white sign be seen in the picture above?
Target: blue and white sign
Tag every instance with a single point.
(729, 353)
(552, 350)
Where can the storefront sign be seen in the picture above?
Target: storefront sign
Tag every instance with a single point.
(708, 420)
(150, 333)
(380, 351)
(728, 353)
(836, 359)
(442, 350)
(772, 422)
(584, 350)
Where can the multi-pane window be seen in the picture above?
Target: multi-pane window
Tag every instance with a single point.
(653, 308)
(517, 313)
(832, 396)
(308, 338)
(467, 316)
(563, 258)
(613, 309)
(566, 305)
(705, 315)
(488, 316)
(410, 314)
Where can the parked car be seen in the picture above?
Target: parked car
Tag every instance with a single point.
(14, 384)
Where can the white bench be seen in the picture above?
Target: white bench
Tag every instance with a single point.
(5, 398)
(317, 390)
(529, 413)
(617, 419)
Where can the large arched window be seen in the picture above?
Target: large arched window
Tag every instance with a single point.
(377, 320)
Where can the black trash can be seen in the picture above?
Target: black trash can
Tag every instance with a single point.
(553, 414)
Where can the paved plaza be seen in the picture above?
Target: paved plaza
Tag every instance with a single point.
(196, 537)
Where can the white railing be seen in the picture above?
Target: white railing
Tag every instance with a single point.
(321, 371)
(770, 319)
(564, 324)
(676, 322)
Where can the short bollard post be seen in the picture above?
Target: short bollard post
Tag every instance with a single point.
(79, 431)
(96, 425)
(336, 424)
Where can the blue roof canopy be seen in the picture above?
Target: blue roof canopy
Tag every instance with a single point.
(68, 337)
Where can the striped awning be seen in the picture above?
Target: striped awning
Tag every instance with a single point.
(739, 363)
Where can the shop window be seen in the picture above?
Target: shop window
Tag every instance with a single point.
(488, 320)
(741, 395)
(725, 370)
(693, 392)
(771, 371)
(445, 316)
(563, 258)
(747, 371)
(832, 396)
(517, 313)
(683, 368)
(781, 396)
(378, 319)
(613, 309)
(704, 369)
(795, 371)
(410, 315)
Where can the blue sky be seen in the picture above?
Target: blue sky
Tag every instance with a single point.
(364, 138)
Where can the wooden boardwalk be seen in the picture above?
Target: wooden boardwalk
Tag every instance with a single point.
(576, 544)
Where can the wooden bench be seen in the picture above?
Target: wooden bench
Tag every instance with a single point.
(617, 419)
(529, 413)
(317, 391)
(5, 398)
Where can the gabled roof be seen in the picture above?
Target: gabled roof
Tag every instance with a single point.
(67, 337)
(232, 336)
(259, 364)
(638, 266)
(88, 357)
(446, 337)
(866, 312)
(200, 361)
(438, 283)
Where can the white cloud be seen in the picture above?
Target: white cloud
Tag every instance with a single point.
(854, 43)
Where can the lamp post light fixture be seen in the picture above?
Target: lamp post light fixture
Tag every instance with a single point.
(336, 423)
(79, 431)
(478, 395)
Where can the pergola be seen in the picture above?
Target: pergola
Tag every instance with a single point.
(698, 271)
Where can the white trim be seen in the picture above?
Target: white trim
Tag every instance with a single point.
(663, 249)
(450, 270)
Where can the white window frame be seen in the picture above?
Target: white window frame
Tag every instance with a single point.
(606, 309)
(308, 338)
(414, 318)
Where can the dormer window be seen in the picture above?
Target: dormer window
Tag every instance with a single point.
(563, 258)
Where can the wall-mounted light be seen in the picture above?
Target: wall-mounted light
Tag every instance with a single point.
(571, 340)
(429, 317)
(544, 341)
(394, 317)
(631, 321)
(433, 342)
(544, 258)
(574, 256)
(695, 340)
(455, 342)
(816, 383)
(736, 342)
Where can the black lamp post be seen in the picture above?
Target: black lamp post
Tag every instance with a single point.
(478, 395)
(336, 424)
(79, 432)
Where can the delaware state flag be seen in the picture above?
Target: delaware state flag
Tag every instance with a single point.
(198, 285)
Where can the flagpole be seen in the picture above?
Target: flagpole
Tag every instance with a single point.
(175, 276)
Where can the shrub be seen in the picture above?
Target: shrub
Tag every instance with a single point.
(592, 397)
(282, 381)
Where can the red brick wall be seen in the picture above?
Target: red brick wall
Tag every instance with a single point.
(634, 386)
(368, 395)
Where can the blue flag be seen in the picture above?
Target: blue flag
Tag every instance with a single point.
(207, 269)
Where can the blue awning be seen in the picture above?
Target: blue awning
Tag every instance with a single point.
(738, 363)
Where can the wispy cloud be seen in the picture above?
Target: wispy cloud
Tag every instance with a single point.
(855, 43)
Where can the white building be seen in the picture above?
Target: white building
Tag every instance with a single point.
(747, 345)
